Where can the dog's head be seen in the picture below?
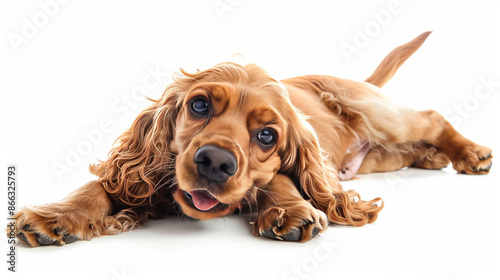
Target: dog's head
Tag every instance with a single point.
(229, 137)
(215, 135)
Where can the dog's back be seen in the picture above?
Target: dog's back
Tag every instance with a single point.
(362, 130)
(340, 109)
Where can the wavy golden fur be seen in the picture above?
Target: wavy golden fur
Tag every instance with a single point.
(232, 137)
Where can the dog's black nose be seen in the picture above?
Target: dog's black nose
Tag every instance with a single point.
(215, 163)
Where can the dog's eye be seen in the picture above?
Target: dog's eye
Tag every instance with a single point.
(267, 136)
(200, 107)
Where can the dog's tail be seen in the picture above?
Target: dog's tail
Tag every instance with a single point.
(394, 60)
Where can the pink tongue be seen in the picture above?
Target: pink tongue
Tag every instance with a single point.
(203, 200)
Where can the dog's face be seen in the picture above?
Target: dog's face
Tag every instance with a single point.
(228, 138)
(220, 135)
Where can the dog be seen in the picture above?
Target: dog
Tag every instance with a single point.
(232, 138)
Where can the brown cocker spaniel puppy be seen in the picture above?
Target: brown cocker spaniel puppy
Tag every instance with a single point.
(232, 137)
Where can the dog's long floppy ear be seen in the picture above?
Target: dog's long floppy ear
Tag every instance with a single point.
(303, 160)
(141, 154)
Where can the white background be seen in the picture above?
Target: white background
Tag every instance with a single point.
(80, 62)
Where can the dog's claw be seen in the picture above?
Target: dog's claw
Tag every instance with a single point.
(487, 168)
(485, 157)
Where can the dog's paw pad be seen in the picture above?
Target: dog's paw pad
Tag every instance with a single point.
(315, 231)
(68, 238)
(21, 236)
(269, 233)
(293, 235)
(44, 239)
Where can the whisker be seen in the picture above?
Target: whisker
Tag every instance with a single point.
(270, 194)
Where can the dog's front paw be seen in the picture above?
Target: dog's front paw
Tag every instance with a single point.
(50, 225)
(473, 159)
(292, 224)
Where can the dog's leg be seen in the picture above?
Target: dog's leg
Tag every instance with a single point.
(466, 156)
(83, 214)
(285, 215)
(375, 118)
(397, 156)
(430, 127)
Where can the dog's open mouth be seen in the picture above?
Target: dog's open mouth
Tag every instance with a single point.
(203, 200)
